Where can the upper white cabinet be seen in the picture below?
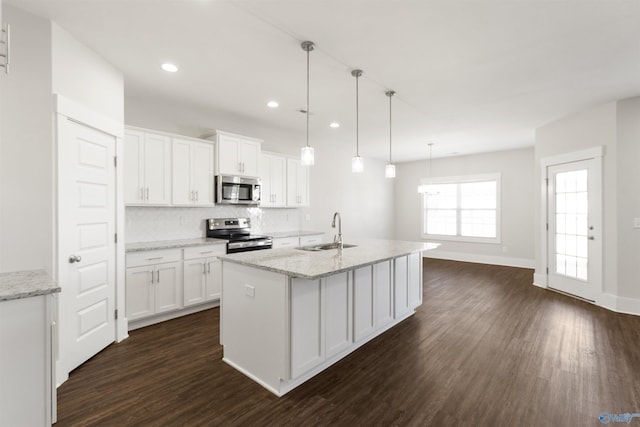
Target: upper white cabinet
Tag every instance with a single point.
(273, 172)
(147, 168)
(236, 154)
(192, 172)
(297, 184)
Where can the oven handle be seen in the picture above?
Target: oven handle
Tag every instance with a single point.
(256, 243)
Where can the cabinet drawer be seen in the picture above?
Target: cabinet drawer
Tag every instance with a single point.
(135, 259)
(205, 251)
(285, 242)
(310, 240)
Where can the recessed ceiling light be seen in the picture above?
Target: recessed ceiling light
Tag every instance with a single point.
(334, 125)
(272, 104)
(169, 68)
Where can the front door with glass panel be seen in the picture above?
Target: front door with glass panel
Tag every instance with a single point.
(574, 253)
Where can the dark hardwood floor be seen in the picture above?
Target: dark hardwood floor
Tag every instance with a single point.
(485, 349)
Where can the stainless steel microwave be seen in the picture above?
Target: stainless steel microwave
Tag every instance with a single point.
(237, 190)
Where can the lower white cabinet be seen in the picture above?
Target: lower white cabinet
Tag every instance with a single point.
(408, 284)
(202, 274)
(321, 320)
(364, 319)
(314, 239)
(153, 283)
(415, 279)
(383, 292)
(285, 242)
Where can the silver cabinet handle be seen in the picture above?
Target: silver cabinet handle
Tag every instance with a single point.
(190, 195)
(157, 276)
(154, 258)
(197, 195)
(7, 41)
(204, 268)
(209, 268)
(151, 271)
(74, 258)
(147, 194)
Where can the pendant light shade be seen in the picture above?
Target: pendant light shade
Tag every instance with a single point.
(390, 169)
(306, 153)
(357, 163)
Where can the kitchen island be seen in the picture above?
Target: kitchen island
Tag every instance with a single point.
(288, 314)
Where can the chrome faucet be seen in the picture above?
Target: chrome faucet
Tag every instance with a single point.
(337, 239)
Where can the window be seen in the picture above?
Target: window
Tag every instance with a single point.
(464, 208)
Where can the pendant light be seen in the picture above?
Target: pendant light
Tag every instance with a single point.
(390, 169)
(357, 164)
(424, 188)
(306, 152)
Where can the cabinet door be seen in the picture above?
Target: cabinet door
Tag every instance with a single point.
(285, 242)
(311, 240)
(168, 287)
(249, 153)
(133, 167)
(139, 292)
(307, 327)
(303, 185)
(227, 159)
(202, 173)
(214, 278)
(401, 287)
(157, 169)
(267, 199)
(415, 280)
(195, 277)
(364, 322)
(278, 177)
(337, 314)
(292, 182)
(181, 188)
(383, 293)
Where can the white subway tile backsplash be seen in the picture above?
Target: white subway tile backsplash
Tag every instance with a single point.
(147, 223)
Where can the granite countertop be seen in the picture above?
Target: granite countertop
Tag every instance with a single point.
(317, 264)
(296, 233)
(172, 244)
(25, 284)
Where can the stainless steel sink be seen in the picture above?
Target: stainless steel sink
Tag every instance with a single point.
(324, 247)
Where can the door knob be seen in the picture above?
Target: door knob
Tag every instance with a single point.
(592, 238)
(74, 258)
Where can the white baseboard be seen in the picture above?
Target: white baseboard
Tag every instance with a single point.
(540, 280)
(618, 304)
(482, 259)
(148, 321)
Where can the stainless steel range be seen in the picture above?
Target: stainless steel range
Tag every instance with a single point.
(237, 231)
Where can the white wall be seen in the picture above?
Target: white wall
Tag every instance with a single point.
(364, 201)
(587, 129)
(616, 126)
(79, 74)
(517, 201)
(628, 195)
(26, 155)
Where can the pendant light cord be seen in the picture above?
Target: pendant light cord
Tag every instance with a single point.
(357, 118)
(390, 124)
(307, 98)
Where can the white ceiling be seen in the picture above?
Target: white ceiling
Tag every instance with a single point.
(470, 76)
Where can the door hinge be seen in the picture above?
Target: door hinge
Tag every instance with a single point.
(547, 226)
(115, 161)
(547, 270)
(115, 238)
(116, 314)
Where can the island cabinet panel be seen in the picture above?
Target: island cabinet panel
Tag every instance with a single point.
(383, 288)
(307, 325)
(255, 323)
(337, 314)
(415, 280)
(364, 321)
(401, 280)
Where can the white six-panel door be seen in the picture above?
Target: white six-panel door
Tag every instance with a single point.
(87, 210)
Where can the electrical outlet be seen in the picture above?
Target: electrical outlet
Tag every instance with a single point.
(307, 217)
(249, 291)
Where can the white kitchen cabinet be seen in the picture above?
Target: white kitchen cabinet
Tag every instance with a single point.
(192, 173)
(314, 239)
(202, 274)
(383, 291)
(147, 168)
(297, 184)
(285, 242)
(307, 326)
(236, 154)
(273, 173)
(337, 314)
(401, 279)
(364, 321)
(154, 283)
(415, 280)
